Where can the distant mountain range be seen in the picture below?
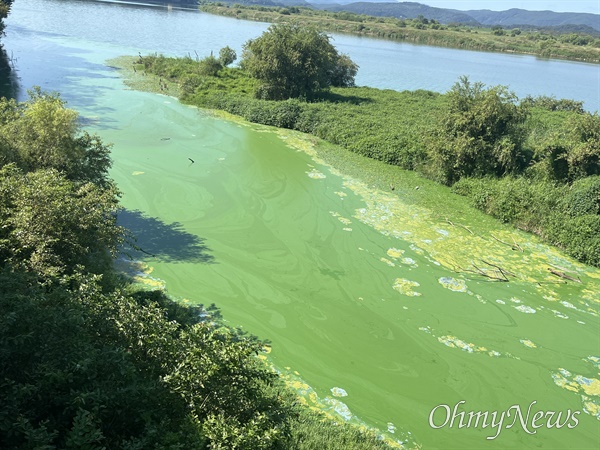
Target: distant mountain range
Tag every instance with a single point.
(563, 21)
(509, 18)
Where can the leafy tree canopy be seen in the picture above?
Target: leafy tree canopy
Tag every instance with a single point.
(293, 61)
(482, 133)
(41, 133)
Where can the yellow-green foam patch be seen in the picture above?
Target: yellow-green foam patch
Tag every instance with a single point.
(387, 261)
(469, 347)
(137, 172)
(334, 409)
(591, 406)
(527, 343)
(587, 387)
(453, 284)
(525, 309)
(315, 174)
(338, 392)
(395, 253)
(405, 287)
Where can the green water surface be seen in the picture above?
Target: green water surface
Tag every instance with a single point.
(359, 289)
(376, 302)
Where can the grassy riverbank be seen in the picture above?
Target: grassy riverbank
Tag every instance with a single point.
(550, 188)
(426, 32)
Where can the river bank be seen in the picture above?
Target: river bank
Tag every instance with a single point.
(404, 129)
(416, 31)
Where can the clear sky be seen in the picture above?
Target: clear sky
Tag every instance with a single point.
(588, 6)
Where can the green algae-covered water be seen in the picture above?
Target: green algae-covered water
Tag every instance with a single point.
(380, 306)
(370, 301)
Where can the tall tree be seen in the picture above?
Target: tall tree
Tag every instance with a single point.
(292, 61)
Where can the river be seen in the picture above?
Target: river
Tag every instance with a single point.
(364, 294)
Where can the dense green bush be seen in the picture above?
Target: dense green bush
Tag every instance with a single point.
(482, 133)
(583, 197)
(292, 61)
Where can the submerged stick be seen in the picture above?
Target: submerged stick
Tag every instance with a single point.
(563, 275)
(462, 226)
(513, 247)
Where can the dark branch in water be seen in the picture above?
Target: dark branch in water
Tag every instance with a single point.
(459, 225)
(563, 275)
(514, 247)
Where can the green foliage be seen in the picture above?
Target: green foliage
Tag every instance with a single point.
(209, 66)
(293, 61)
(41, 133)
(570, 150)
(227, 56)
(584, 155)
(52, 225)
(4, 10)
(552, 104)
(583, 197)
(482, 133)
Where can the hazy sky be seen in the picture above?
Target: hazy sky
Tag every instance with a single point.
(588, 6)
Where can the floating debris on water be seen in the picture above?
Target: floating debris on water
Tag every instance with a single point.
(347, 229)
(395, 253)
(409, 262)
(137, 172)
(525, 309)
(594, 360)
(527, 343)
(338, 407)
(315, 174)
(588, 388)
(453, 284)
(502, 302)
(515, 300)
(391, 428)
(340, 194)
(455, 342)
(442, 232)
(338, 392)
(405, 287)
(591, 406)
(559, 314)
(387, 261)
